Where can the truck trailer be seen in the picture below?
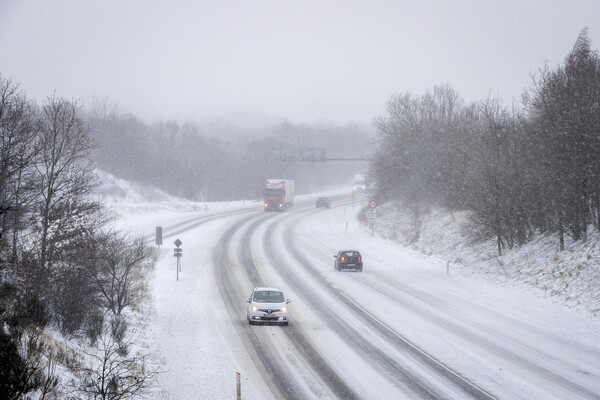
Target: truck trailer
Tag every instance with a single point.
(278, 194)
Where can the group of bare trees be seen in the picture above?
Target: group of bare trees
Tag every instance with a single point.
(60, 266)
(220, 162)
(528, 168)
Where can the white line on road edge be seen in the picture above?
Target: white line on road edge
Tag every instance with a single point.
(417, 348)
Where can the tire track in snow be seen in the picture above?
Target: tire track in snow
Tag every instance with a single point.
(480, 335)
(398, 341)
(403, 378)
(281, 382)
(295, 334)
(275, 371)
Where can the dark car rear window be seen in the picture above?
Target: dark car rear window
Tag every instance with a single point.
(351, 253)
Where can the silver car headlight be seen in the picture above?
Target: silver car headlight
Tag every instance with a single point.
(254, 308)
(283, 309)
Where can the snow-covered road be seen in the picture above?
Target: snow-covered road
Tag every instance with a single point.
(402, 328)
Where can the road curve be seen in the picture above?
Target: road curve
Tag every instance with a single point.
(259, 248)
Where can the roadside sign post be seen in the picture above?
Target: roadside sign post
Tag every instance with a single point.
(178, 253)
(372, 215)
(159, 236)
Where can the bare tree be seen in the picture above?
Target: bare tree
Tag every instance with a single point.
(64, 216)
(490, 189)
(119, 270)
(64, 170)
(420, 151)
(109, 373)
(17, 152)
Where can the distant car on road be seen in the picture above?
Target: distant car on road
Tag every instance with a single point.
(348, 259)
(267, 305)
(323, 202)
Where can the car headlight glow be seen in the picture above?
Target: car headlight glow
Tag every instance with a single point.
(254, 308)
(283, 309)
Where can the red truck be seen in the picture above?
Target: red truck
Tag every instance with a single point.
(279, 194)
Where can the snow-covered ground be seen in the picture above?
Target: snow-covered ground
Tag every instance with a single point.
(192, 339)
(570, 277)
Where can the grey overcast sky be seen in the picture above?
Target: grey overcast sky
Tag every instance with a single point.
(304, 60)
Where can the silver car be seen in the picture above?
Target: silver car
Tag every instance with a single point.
(267, 305)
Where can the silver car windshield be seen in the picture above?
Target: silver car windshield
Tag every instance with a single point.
(268, 296)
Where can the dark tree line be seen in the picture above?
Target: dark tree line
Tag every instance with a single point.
(221, 162)
(525, 169)
(60, 265)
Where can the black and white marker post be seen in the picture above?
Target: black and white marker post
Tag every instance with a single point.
(177, 252)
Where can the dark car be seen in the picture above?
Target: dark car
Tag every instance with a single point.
(348, 259)
(323, 202)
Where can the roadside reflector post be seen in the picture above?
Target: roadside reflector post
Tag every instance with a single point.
(238, 386)
(448, 268)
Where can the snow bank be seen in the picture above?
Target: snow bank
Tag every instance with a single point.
(571, 276)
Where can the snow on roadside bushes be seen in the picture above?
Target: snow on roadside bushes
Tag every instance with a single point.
(571, 276)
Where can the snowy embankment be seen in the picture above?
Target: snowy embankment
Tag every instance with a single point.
(130, 201)
(137, 208)
(571, 276)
